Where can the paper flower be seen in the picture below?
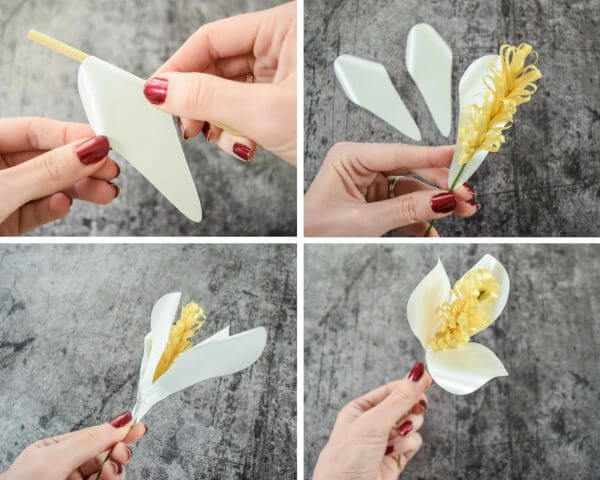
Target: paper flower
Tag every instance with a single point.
(490, 91)
(444, 319)
(171, 363)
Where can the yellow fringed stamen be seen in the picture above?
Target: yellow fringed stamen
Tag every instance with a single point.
(507, 88)
(191, 320)
(468, 312)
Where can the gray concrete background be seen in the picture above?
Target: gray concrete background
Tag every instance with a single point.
(72, 323)
(138, 35)
(544, 181)
(540, 422)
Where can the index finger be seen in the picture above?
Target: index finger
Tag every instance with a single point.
(225, 38)
(26, 134)
(400, 159)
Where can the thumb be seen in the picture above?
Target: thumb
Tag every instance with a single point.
(53, 171)
(200, 96)
(411, 208)
(76, 448)
(383, 417)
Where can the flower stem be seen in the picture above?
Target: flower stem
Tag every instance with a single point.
(460, 172)
(103, 463)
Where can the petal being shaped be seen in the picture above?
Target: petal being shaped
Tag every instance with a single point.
(470, 90)
(463, 370)
(147, 138)
(210, 359)
(488, 262)
(431, 292)
(161, 320)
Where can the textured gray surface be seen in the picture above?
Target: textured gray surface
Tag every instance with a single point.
(544, 181)
(540, 422)
(238, 199)
(72, 323)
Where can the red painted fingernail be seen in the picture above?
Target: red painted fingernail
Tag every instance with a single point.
(416, 372)
(469, 188)
(420, 407)
(242, 151)
(121, 420)
(145, 429)
(70, 198)
(206, 131)
(443, 203)
(93, 150)
(119, 468)
(405, 428)
(130, 452)
(155, 90)
(181, 128)
(389, 449)
(118, 171)
(117, 189)
(474, 203)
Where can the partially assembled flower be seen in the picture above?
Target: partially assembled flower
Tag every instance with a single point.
(444, 319)
(490, 92)
(171, 362)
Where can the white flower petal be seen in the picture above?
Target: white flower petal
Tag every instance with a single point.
(464, 370)
(215, 358)
(488, 262)
(433, 290)
(163, 314)
(470, 90)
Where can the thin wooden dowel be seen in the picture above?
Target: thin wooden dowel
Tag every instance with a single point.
(57, 46)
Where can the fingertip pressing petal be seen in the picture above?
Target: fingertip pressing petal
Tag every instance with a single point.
(463, 370)
(431, 292)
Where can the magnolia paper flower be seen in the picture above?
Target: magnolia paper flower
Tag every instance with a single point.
(171, 363)
(490, 92)
(444, 319)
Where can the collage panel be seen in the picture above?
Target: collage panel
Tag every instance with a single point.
(518, 400)
(175, 90)
(388, 76)
(75, 320)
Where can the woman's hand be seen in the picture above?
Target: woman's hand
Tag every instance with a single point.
(205, 83)
(350, 195)
(79, 455)
(375, 436)
(44, 165)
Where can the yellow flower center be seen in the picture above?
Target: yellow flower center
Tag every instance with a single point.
(468, 310)
(507, 87)
(191, 319)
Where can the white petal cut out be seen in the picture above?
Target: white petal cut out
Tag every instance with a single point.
(115, 106)
(431, 292)
(429, 63)
(490, 263)
(161, 320)
(470, 90)
(215, 357)
(463, 370)
(368, 84)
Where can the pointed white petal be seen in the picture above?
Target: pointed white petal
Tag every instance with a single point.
(464, 370)
(115, 105)
(429, 62)
(488, 262)
(470, 91)
(431, 292)
(203, 361)
(368, 84)
(163, 314)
